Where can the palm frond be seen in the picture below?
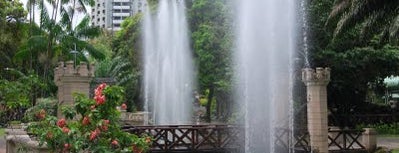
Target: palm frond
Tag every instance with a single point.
(372, 15)
(340, 7)
(44, 17)
(65, 18)
(93, 51)
(83, 30)
(368, 27)
(394, 30)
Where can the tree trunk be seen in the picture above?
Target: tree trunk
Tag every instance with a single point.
(209, 103)
(218, 102)
(73, 14)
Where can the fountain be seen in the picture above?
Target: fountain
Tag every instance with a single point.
(266, 33)
(168, 67)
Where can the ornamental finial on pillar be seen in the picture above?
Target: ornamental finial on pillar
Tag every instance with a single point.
(320, 75)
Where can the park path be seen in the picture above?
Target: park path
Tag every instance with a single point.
(388, 142)
(2, 144)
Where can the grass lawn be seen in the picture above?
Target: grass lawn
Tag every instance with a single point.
(395, 151)
(1, 132)
(388, 136)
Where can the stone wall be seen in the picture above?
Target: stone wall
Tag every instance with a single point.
(137, 118)
(70, 79)
(17, 140)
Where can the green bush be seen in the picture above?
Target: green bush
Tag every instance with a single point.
(91, 125)
(383, 128)
(49, 105)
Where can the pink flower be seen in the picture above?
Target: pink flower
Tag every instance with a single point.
(99, 99)
(98, 92)
(94, 134)
(86, 120)
(102, 86)
(124, 106)
(61, 123)
(115, 142)
(49, 135)
(105, 122)
(67, 146)
(65, 130)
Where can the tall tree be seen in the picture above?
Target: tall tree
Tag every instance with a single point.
(126, 60)
(13, 32)
(211, 34)
(371, 17)
(348, 36)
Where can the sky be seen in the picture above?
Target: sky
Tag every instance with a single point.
(76, 20)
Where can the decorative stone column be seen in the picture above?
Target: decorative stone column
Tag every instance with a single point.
(71, 80)
(369, 139)
(316, 83)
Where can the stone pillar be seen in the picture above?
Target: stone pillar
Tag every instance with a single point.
(71, 80)
(316, 83)
(369, 139)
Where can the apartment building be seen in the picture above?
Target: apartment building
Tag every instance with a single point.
(109, 14)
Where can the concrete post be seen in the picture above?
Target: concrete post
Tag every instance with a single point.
(71, 80)
(369, 139)
(316, 83)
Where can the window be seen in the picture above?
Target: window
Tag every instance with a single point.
(98, 12)
(98, 5)
(103, 11)
(103, 18)
(125, 3)
(98, 20)
(117, 25)
(117, 11)
(125, 11)
(103, 25)
(117, 17)
(117, 4)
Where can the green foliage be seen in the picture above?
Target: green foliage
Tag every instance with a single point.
(13, 31)
(212, 41)
(49, 105)
(341, 38)
(383, 128)
(95, 127)
(103, 69)
(53, 39)
(19, 94)
(2, 132)
(370, 18)
(125, 63)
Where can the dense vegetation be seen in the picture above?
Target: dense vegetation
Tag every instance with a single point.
(358, 40)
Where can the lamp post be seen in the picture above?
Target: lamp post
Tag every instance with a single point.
(74, 52)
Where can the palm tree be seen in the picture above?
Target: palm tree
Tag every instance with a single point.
(55, 38)
(372, 17)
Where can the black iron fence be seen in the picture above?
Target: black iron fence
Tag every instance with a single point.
(192, 138)
(230, 138)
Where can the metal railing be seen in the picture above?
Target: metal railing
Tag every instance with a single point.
(191, 138)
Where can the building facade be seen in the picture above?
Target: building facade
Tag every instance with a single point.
(109, 14)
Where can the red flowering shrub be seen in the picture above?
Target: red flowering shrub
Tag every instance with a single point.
(123, 106)
(96, 130)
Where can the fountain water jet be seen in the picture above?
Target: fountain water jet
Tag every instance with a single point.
(168, 67)
(265, 46)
